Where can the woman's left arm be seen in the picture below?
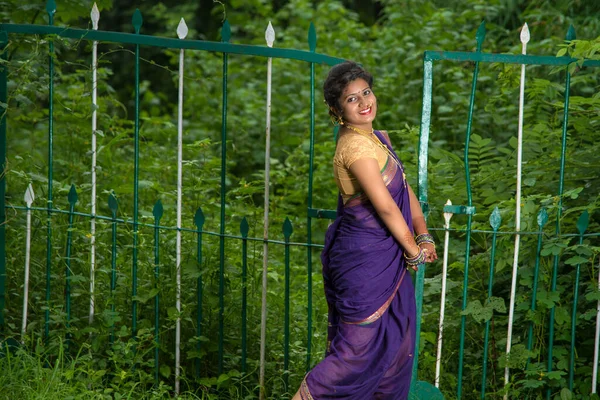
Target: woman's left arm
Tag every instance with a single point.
(420, 226)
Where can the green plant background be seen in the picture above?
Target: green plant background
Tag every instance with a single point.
(389, 38)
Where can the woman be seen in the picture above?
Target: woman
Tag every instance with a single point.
(368, 250)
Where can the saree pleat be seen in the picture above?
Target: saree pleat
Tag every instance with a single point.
(371, 303)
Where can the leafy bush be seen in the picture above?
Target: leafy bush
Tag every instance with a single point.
(392, 49)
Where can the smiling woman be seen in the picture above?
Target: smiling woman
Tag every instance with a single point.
(368, 252)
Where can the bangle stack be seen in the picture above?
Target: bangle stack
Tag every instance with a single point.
(424, 238)
(416, 260)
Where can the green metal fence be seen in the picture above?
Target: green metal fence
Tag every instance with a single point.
(102, 224)
(490, 305)
(115, 230)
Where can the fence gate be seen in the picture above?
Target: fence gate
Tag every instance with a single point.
(533, 329)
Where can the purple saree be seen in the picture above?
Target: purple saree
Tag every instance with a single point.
(371, 303)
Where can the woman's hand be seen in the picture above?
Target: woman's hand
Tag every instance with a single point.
(430, 254)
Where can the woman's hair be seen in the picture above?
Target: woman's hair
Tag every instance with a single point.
(338, 78)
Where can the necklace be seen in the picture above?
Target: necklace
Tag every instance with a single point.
(361, 131)
(375, 139)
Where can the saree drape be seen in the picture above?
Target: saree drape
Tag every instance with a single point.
(371, 330)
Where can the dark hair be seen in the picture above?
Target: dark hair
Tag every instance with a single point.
(338, 78)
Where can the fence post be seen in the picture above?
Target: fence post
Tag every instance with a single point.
(542, 219)
(3, 111)
(72, 201)
(582, 225)
(513, 287)
(137, 24)
(270, 38)
(463, 320)
(50, 9)
(29, 198)
(95, 15)
(596, 340)
(244, 231)
(561, 184)
(113, 205)
(182, 31)
(438, 361)
(225, 36)
(199, 221)
(495, 221)
(157, 211)
(287, 232)
(312, 45)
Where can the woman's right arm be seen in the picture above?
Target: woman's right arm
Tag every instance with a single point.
(366, 171)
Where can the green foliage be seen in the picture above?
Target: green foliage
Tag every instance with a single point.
(392, 49)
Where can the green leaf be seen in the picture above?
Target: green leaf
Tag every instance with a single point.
(209, 382)
(593, 296)
(497, 303)
(529, 181)
(190, 270)
(565, 394)
(553, 248)
(555, 375)
(575, 260)
(533, 383)
(165, 370)
(548, 299)
(477, 311)
(223, 380)
(142, 298)
(562, 315)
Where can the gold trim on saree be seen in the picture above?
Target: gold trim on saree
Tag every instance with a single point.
(379, 312)
(388, 172)
(304, 391)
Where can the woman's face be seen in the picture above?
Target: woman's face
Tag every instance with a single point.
(358, 102)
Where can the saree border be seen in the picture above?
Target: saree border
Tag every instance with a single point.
(388, 172)
(304, 390)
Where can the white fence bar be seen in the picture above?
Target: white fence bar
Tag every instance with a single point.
(270, 38)
(182, 31)
(596, 341)
(524, 41)
(95, 15)
(438, 360)
(29, 198)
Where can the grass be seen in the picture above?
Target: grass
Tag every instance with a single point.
(30, 375)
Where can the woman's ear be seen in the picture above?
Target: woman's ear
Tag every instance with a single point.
(336, 117)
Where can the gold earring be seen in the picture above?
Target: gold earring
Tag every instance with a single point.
(336, 119)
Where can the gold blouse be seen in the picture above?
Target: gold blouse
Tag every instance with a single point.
(351, 147)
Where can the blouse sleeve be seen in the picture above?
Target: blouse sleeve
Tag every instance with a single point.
(355, 148)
